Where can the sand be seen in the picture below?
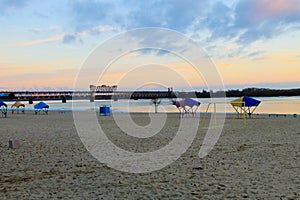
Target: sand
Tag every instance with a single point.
(259, 161)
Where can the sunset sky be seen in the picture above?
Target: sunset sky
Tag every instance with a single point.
(253, 43)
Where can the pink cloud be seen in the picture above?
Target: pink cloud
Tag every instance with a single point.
(39, 41)
(265, 9)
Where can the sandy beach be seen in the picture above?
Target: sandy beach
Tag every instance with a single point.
(259, 161)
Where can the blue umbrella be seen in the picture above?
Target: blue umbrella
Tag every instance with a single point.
(41, 105)
(3, 108)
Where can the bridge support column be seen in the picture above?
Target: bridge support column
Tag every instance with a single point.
(63, 100)
(92, 97)
(115, 97)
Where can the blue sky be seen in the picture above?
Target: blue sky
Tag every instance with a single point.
(251, 42)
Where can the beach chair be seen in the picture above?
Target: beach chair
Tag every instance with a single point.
(18, 106)
(3, 109)
(41, 107)
(187, 106)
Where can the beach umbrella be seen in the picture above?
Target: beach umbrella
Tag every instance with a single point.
(3, 108)
(187, 106)
(2, 103)
(18, 106)
(41, 106)
(245, 104)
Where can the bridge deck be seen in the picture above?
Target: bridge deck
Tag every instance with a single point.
(57, 95)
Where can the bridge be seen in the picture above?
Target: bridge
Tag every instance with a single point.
(102, 92)
(31, 96)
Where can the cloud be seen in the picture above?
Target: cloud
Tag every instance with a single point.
(264, 19)
(242, 22)
(250, 20)
(38, 30)
(176, 14)
(102, 29)
(254, 54)
(92, 13)
(69, 39)
(149, 51)
(8, 5)
(40, 41)
(253, 12)
(66, 38)
(219, 22)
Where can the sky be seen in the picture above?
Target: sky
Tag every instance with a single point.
(251, 43)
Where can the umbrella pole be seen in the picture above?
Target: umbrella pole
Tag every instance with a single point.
(215, 115)
(204, 118)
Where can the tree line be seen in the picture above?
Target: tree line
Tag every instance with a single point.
(254, 92)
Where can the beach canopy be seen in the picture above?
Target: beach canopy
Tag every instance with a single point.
(18, 106)
(245, 101)
(41, 106)
(187, 102)
(245, 104)
(2, 103)
(3, 108)
(187, 106)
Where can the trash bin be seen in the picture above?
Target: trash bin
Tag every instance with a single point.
(13, 144)
(295, 115)
(104, 110)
